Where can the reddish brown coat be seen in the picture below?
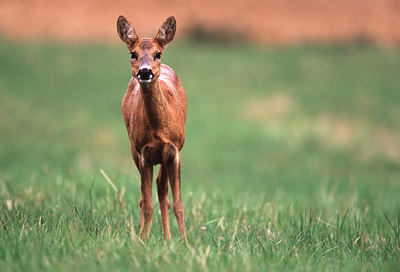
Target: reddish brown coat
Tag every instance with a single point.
(158, 115)
(154, 111)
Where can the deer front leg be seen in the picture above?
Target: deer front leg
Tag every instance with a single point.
(174, 173)
(146, 202)
(162, 189)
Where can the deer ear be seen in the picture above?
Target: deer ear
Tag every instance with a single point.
(167, 31)
(126, 31)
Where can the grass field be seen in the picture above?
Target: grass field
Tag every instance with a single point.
(292, 160)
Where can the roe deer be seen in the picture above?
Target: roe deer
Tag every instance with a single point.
(154, 111)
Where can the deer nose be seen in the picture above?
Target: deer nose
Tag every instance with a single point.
(145, 74)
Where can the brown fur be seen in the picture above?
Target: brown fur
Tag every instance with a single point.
(155, 116)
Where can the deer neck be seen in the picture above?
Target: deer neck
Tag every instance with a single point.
(155, 104)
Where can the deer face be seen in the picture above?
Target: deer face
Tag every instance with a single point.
(146, 52)
(146, 60)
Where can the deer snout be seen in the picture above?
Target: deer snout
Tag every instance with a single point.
(145, 75)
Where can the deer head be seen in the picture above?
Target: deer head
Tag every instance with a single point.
(146, 52)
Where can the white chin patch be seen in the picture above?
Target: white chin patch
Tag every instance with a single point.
(145, 80)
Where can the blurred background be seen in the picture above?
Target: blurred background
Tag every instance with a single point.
(281, 93)
(271, 84)
(262, 21)
(293, 91)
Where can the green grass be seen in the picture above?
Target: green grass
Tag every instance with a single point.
(292, 160)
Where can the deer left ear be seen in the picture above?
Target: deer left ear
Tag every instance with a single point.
(126, 31)
(166, 32)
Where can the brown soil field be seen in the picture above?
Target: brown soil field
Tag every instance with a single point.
(262, 21)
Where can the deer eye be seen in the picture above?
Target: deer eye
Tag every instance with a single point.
(157, 55)
(134, 55)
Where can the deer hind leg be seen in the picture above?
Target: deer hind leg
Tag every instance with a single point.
(146, 202)
(162, 189)
(174, 174)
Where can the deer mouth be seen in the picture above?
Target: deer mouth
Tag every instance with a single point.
(145, 79)
(145, 75)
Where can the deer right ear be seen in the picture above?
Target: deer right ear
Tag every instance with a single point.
(167, 31)
(126, 31)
